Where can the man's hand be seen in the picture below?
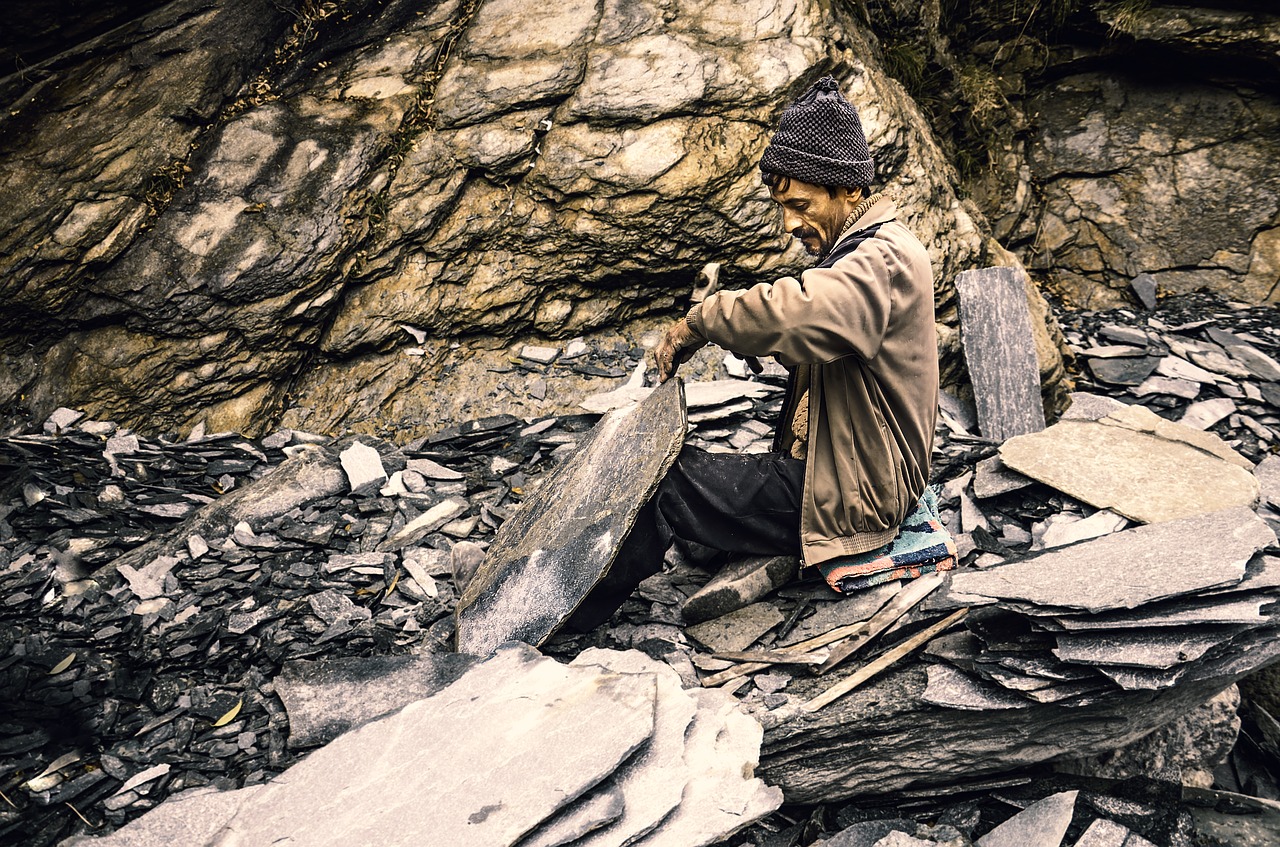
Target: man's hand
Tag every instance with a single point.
(676, 347)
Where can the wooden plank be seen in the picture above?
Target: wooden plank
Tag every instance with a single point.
(903, 602)
(995, 331)
(800, 647)
(874, 667)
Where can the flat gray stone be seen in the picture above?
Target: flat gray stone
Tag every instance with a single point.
(540, 355)
(1268, 474)
(739, 584)
(1259, 364)
(1107, 833)
(1184, 388)
(548, 556)
(1137, 464)
(1043, 823)
(1130, 568)
(1176, 368)
(1122, 334)
(434, 470)
(850, 608)
(1206, 413)
(995, 329)
(61, 419)
(1123, 371)
(195, 816)
(1133, 648)
(327, 698)
(737, 630)
(1185, 611)
(954, 689)
(717, 392)
(1102, 522)
(1090, 407)
(991, 478)
(520, 714)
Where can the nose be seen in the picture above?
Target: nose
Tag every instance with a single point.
(790, 220)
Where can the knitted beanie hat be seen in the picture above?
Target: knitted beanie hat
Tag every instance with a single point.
(820, 141)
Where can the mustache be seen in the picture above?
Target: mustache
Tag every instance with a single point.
(805, 232)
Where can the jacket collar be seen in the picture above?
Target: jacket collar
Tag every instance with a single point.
(879, 208)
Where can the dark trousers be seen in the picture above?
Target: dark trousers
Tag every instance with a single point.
(713, 507)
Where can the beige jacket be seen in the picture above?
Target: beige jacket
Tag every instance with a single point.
(865, 327)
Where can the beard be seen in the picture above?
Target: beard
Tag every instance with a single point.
(806, 234)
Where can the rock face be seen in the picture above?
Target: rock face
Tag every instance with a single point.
(246, 242)
(1109, 140)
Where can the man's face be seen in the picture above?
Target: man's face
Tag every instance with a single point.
(812, 214)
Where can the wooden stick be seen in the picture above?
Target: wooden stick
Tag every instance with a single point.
(775, 657)
(872, 668)
(903, 602)
(830, 637)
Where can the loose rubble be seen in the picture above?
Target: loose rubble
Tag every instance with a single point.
(159, 617)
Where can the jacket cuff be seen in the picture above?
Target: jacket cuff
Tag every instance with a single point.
(694, 321)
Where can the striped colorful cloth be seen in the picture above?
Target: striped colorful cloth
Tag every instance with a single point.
(922, 546)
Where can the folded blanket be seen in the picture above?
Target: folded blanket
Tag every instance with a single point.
(922, 546)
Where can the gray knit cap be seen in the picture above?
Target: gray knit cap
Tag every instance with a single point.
(820, 141)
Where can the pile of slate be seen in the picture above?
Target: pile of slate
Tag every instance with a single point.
(1140, 610)
(154, 620)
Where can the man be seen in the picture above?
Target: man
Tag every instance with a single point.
(851, 453)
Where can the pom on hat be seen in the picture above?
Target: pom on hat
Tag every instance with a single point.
(820, 140)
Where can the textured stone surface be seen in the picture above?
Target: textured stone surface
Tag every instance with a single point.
(1137, 464)
(547, 557)
(244, 233)
(737, 630)
(995, 327)
(1160, 560)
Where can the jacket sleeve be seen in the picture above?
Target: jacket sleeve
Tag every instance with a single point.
(826, 314)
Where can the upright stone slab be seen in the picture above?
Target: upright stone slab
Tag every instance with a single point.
(995, 328)
(549, 555)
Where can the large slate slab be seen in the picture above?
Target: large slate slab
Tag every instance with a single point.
(1138, 649)
(1129, 568)
(549, 555)
(995, 329)
(1137, 464)
(1044, 822)
(519, 714)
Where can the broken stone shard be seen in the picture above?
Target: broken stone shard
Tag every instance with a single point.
(548, 556)
(363, 467)
(995, 323)
(1043, 822)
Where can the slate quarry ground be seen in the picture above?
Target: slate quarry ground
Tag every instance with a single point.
(117, 692)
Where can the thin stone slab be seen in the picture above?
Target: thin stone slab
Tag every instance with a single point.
(991, 478)
(1044, 822)
(1123, 370)
(1176, 368)
(363, 466)
(1090, 407)
(1268, 474)
(847, 609)
(1206, 413)
(548, 556)
(995, 329)
(327, 698)
(520, 714)
(652, 782)
(737, 630)
(1102, 522)
(1144, 288)
(1182, 612)
(954, 689)
(195, 816)
(1261, 365)
(1147, 470)
(1108, 833)
(586, 815)
(1130, 568)
(1159, 650)
(1184, 388)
